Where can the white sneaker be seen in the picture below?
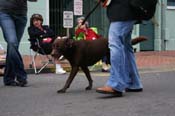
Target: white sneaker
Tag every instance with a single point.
(60, 71)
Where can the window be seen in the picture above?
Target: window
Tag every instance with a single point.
(171, 4)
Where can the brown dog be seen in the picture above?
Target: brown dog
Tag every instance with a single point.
(82, 54)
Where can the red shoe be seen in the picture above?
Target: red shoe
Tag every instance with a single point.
(109, 90)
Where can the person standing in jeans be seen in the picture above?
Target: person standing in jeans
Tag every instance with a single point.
(124, 76)
(13, 19)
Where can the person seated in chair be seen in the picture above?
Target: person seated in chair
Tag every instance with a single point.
(44, 34)
(86, 33)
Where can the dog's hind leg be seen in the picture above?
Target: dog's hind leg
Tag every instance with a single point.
(87, 73)
(69, 80)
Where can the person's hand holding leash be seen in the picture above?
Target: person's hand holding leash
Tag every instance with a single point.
(105, 3)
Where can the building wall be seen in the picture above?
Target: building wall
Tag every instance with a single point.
(170, 29)
(157, 20)
(33, 7)
(165, 29)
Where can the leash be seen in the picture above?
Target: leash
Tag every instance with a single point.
(87, 16)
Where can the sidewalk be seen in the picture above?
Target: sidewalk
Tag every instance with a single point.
(156, 61)
(146, 61)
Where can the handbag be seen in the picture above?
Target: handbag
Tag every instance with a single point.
(144, 9)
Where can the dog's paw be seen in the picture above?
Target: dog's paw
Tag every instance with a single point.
(61, 91)
(88, 88)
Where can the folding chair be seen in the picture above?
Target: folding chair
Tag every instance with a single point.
(40, 46)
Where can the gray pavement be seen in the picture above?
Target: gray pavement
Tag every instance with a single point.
(41, 99)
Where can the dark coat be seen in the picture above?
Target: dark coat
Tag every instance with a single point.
(120, 10)
(15, 7)
(34, 32)
(37, 34)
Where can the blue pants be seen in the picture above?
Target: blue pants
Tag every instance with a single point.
(105, 60)
(124, 72)
(13, 28)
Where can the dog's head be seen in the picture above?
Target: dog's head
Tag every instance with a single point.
(61, 46)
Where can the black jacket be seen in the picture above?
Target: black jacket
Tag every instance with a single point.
(120, 10)
(34, 32)
(17, 7)
(37, 34)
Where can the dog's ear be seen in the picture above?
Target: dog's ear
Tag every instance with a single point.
(69, 43)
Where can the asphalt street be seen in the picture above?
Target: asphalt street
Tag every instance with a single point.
(41, 99)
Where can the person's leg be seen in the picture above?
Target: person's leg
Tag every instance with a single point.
(13, 59)
(133, 82)
(105, 67)
(8, 28)
(20, 23)
(117, 33)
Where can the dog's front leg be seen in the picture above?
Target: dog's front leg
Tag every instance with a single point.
(87, 73)
(69, 80)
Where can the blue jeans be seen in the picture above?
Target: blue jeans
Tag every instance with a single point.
(105, 60)
(13, 28)
(124, 72)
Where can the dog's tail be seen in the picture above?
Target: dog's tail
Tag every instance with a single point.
(138, 40)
